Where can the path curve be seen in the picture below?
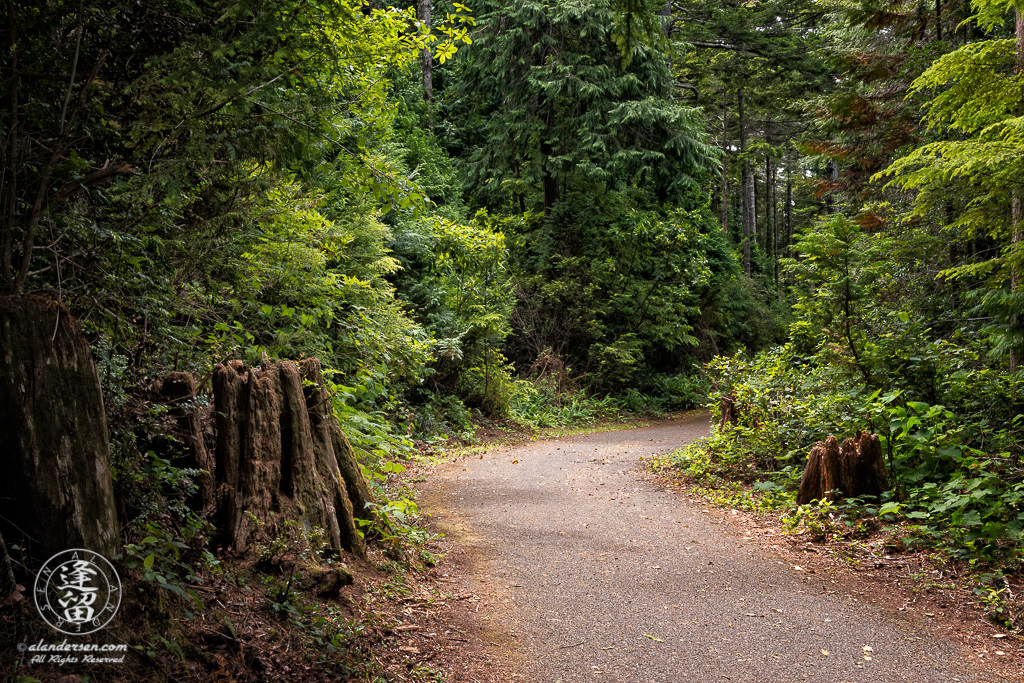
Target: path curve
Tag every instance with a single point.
(599, 573)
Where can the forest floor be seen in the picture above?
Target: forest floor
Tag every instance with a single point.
(566, 560)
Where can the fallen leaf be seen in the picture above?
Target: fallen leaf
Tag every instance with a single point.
(825, 652)
(868, 648)
(515, 461)
(406, 648)
(657, 640)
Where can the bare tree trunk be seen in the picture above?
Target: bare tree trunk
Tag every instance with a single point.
(833, 175)
(1016, 210)
(747, 182)
(725, 161)
(754, 232)
(56, 492)
(769, 215)
(423, 12)
(9, 174)
(789, 209)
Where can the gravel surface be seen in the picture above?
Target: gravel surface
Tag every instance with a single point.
(595, 572)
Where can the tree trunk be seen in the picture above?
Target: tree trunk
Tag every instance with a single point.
(769, 215)
(1016, 210)
(833, 176)
(281, 456)
(747, 185)
(789, 215)
(423, 12)
(753, 205)
(549, 182)
(56, 492)
(725, 161)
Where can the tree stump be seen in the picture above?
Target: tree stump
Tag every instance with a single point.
(281, 456)
(850, 470)
(730, 410)
(56, 492)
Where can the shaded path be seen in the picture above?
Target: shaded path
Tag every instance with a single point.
(601, 574)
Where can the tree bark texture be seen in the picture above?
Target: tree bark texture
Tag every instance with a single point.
(282, 456)
(854, 468)
(1016, 206)
(725, 161)
(747, 185)
(56, 492)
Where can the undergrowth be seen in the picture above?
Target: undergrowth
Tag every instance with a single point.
(954, 462)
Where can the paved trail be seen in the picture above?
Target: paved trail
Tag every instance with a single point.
(610, 577)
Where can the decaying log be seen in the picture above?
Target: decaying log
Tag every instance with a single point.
(282, 456)
(850, 470)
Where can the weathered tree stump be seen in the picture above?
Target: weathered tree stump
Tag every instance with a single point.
(178, 392)
(730, 410)
(282, 456)
(56, 492)
(850, 470)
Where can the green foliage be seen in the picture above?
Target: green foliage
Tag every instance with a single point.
(556, 108)
(172, 551)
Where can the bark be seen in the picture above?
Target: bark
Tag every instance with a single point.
(1016, 206)
(835, 471)
(753, 206)
(423, 12)
(725, 162)
(769, 211)
(548, 180)
(789, 211)
(747, 185)
(281, 456)
(833, 176)
(789, 217)
(729, 410)
(56, 492)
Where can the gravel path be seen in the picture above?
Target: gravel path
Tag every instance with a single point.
(595, 572)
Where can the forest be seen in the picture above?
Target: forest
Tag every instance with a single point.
(539, 213)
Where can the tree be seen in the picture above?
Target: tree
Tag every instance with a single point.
(975, 94)
(763, 57)
(557, 109)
